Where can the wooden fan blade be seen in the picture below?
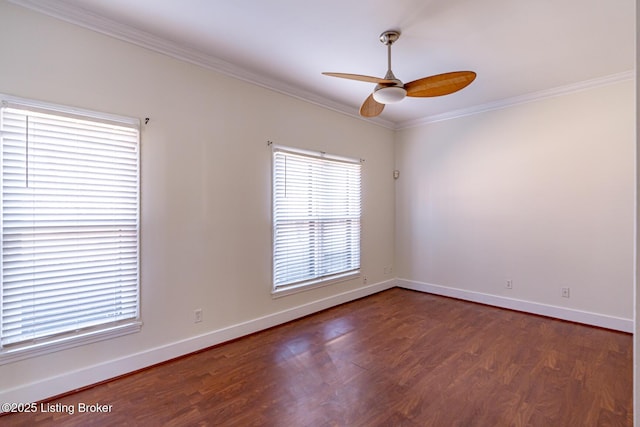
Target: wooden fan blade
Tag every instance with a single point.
(440, 84)
(370, 107)
(359, 77)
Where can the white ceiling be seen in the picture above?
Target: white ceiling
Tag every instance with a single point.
(517, 47)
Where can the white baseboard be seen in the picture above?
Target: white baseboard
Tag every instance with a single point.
(593, 319)
(70, 381)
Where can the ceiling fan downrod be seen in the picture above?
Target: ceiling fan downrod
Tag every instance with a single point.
(388, 38)
(389, 93)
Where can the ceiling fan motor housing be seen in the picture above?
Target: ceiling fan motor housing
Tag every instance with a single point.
(389, 93)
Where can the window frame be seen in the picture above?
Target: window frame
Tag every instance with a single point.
(106, 330)
(317, 281)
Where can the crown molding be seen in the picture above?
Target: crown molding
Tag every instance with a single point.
(521, 99)
(86, 19)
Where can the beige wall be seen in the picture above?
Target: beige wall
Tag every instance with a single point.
(540, 193)
(205, 199)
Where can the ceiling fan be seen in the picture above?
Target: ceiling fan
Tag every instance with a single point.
(390, 89)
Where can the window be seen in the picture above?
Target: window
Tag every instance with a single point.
(316, 219)
(69, 227)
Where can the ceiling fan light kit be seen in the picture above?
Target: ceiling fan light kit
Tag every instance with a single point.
(390, 90)
(389, 94)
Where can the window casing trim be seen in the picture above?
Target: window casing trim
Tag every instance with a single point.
(320, 281)
(40, 346)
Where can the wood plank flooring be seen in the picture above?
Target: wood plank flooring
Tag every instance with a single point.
(397, 358)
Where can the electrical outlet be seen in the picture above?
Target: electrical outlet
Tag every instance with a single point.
(364, 280)
(565, 292)
(509, 284)
(197, 315)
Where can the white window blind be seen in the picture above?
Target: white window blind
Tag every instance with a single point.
(69, 261)
(316, 218)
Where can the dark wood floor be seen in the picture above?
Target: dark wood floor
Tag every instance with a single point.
(397, 358)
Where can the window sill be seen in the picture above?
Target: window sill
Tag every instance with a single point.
(314, 284)
(14, 354)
